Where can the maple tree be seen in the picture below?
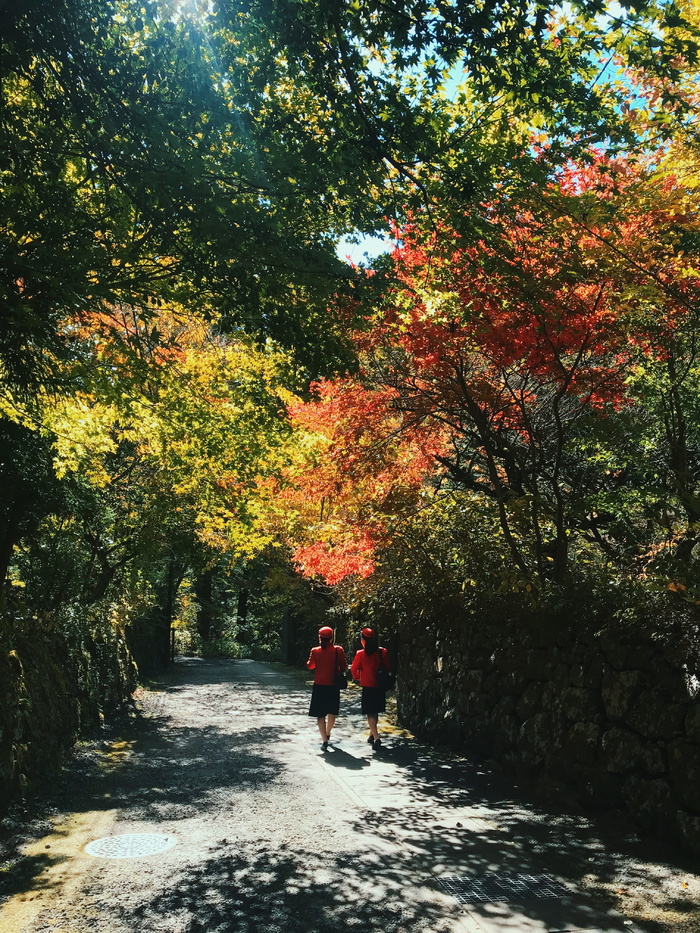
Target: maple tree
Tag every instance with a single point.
(514, 374)
(215, 153)
(177, 173)
(156, 468)
(134, 171)
(352, 466)
(196, 411)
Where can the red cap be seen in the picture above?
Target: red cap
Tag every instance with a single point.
(325, 632)
(368, 633)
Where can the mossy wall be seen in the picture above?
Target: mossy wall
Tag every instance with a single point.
(55, 688)
(609, 715)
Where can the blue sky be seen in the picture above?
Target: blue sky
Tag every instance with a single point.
(359, 253)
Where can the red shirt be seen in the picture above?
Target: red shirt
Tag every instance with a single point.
(365, 666)
(326, 661)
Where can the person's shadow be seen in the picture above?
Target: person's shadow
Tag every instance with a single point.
(342, 759)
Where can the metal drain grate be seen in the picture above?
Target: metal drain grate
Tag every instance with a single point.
(130, 845)
(502, 887)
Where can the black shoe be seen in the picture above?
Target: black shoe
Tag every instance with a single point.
(370, 740)
(324, 746)
(376, 743)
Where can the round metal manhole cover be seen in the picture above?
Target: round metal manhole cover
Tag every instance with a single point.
(130, 845)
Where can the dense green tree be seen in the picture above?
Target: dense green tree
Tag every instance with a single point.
(132, 170)
(208, 157)
(218, 151)
(29, 485)
(434, 101)
(551, 383)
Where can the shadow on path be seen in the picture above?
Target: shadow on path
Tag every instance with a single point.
(381, 873)
(339, 758)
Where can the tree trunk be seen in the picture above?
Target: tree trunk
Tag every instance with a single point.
(242, 615)
(205, 613)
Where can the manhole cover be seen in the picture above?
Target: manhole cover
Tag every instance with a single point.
(130, 845)
(501, 887)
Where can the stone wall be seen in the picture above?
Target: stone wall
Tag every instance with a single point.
(53, 690)
(610, 717)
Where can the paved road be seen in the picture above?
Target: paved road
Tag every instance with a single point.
(264, 832)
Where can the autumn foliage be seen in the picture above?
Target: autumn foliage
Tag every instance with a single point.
(490, 360)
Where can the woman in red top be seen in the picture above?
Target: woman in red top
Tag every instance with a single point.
(364, 668)
(325, 660)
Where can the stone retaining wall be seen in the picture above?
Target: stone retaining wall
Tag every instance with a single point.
(52, 691)
(610, 717)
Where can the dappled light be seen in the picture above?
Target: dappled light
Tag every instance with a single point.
(350, 315)
(272, 833)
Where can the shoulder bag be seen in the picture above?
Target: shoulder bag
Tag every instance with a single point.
(386, 680)
(340, 679)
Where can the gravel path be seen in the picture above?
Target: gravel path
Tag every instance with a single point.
(266, 833)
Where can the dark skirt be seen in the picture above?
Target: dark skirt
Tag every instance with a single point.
(324, 700)
(373, 701)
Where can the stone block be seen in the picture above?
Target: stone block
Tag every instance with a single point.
(506, 731)
(540, 738)
(504, 707)
(644, 658)
(530, 701)
(558, 674)
(650, 800)
(507, 659)
(582, 742)
(684, 765)
(594, 671)
(603, 789)
(691, 685)
(655, 716)
(476, 704)
(688, 825)
(675, 683)
(621, 690)
(550, 697)
(512, 683)
(579, 704)
(577, 675)
(692, 723)
(615, 649)
(625, 753)
(535, 664)
(472, 681)
(492, 683)
(481, 729)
